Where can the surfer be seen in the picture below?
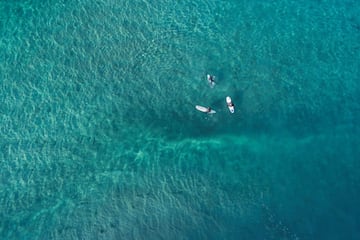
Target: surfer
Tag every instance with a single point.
(205, 109)
(230, 104)
(211, 80)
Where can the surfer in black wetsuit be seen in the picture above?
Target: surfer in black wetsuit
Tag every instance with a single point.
(211, 80)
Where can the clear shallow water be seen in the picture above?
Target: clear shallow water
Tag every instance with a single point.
(100, 138)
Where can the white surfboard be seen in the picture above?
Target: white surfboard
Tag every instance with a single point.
(204, 109)
(230, 104)
(211, 80)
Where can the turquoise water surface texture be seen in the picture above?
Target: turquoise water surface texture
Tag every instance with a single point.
(100, 138)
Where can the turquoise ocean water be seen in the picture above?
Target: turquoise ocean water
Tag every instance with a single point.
(100, 139)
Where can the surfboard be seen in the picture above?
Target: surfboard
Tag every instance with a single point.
(211, 81)
(230, 104)
(204, 109)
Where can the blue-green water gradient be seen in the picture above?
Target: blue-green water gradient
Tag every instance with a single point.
(100, 138)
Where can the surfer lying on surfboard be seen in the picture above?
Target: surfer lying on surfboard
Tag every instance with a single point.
(211, 80)
(205, 109)
(230, 104)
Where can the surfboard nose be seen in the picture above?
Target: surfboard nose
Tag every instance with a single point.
(228, 99)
